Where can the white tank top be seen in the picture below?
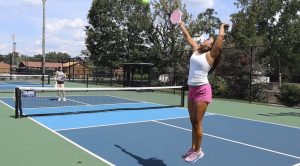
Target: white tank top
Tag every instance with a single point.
(199, 69)
(60, 76)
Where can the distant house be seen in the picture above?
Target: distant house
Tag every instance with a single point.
(259, 78)
(4, 68)
(70, 68)
(33, 67)
(38, 65)
(76, 69)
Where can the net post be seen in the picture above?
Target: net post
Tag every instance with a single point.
(48, 79)
(182, 96)
(17, 102)
(250, 74)
(87, 80)
(43, 80)
(111, 76)
(69, 69)
(73, 69)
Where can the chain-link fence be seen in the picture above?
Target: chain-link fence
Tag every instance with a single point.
(266, 74)
(258, 73)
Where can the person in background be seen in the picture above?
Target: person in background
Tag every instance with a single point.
(60, 79)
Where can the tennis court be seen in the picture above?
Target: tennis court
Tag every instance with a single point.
(123, 128)
(8, 83)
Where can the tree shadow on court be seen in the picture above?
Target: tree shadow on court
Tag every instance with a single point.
(295, 114)
(145, 162)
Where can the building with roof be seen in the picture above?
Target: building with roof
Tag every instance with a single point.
(73, 69)
(76, 69)
(4, 68)
(38, 65)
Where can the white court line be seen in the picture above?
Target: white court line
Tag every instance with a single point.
(229, 140)
(78, 101)
(135, 122)
(257, 121)
(7, 104)
(77, 145)
(225, 139)
(116, 124)
(100, 103)
(210, 113)
(184, 108)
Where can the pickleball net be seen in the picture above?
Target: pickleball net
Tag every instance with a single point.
(43, 101)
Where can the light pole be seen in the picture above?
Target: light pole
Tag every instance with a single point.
(43, 42)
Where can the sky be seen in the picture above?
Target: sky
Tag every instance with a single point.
(65, 23)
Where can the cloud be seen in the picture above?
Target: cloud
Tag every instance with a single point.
(200, 3)
(79, 34)
(64, 35)
(57, 25)
(31, 2)
(3, 47)
(19, 6)
(65, 26)
(33, 50)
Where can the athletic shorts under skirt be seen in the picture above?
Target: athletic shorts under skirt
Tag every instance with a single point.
(60, 82)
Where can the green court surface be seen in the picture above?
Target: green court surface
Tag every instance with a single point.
(273, 114)
(25, 143)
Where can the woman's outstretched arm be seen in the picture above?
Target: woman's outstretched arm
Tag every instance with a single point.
(194, 45)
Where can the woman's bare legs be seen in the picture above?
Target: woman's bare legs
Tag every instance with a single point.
(197, 111)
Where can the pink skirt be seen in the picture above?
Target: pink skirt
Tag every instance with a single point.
(200, 93)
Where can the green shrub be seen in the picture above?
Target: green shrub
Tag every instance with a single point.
(219, 86)
(289, 95)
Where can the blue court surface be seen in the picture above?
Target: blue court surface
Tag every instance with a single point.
(10, 86)
(158, 137)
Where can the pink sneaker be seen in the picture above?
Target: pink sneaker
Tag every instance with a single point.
(187, 153)
(194, 156)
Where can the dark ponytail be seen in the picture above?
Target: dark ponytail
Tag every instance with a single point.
(216, 63)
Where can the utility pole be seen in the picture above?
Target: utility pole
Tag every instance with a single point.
(43, 42)
(12, 62)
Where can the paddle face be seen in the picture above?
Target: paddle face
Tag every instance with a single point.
(176, 16)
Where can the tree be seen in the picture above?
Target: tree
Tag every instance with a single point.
(117, 32)
(104, 37)
(167, 53)
(248, 22)
(2, 58)
(137, 30)
(270, 22)
(52, 57)
(170, 50)
(8, 59)
(264, 31)
(206, 23)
